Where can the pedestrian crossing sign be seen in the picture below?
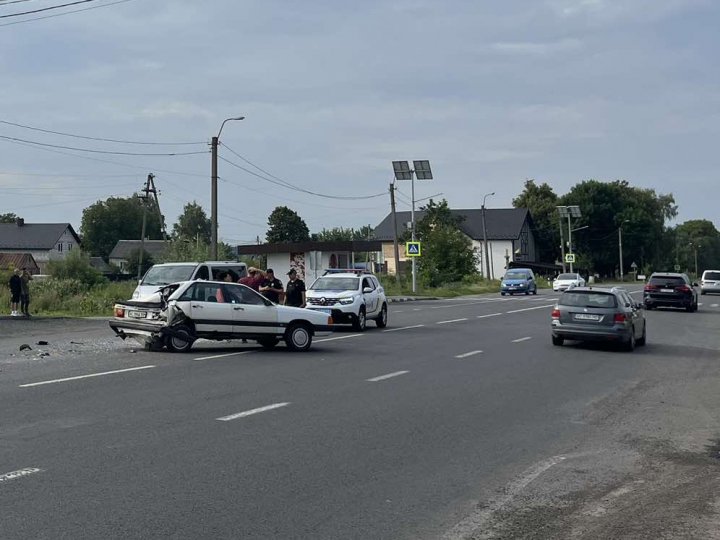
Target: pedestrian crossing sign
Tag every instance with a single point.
(412, 249)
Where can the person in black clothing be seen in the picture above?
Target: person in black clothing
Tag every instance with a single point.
(15, 284)
(271, 287)
(295, 290)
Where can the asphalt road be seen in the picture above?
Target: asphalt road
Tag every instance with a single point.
(460, 420)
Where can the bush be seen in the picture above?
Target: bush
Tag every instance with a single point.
(76, 266)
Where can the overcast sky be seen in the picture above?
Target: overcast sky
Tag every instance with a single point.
(491, 92)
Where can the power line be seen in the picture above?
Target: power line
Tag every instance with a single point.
(103, 151)
(283, 183)
(66, 13)
(7, 3)
(99, 138)
(45, 9)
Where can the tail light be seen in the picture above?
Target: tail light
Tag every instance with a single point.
(650, 288)
(619, 318)
(683, 288)
(119, 312)
(555, 314)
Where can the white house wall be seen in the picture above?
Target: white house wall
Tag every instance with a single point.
(497, 250)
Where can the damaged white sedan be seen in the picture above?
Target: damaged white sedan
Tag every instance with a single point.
(180, 313)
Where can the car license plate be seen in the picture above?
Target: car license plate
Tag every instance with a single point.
(587, 317)
(324, 310)
(137, 314)
(667, 290)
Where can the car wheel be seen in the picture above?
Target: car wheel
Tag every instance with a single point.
(690, 308)
(527, 292)
(268, 343)
(381, 321)
(181, 340)
(629, 345)
(502, 294)
(534, 291)
(643, 339)
(360, 321)
(298, 337)
(649, 307)
(558, 341)
(702, 292)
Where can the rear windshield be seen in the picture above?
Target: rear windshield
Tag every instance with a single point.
(567, 276)
(516, 275)
(588, 299)
(669, 281)
(335, 284)
(715, 276)
(162, 275)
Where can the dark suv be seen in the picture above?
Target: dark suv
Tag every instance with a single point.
(667, 289)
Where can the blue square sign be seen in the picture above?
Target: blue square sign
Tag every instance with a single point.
(412, 249)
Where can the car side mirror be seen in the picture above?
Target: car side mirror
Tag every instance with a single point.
(530, 278)
(367, 290)
(695, 284)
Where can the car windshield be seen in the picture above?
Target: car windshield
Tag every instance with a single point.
(715, 276)
(588, 299)
(162, 275)
(567, 276)
(667, 281)
(516, 275)
(335, 284)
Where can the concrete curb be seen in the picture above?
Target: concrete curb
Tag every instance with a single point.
(393, 299)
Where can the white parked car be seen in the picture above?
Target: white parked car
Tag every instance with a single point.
(159, 275)
(180, 313)
(350, 297)
(710, 282)
(565, 281)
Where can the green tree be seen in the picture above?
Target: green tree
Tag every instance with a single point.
(184, 250)
(118, 218)
(541, 201)
(341, 234)
(134, 259)
(697, 236)
(286, 226)
(193, 224)
(76, 265)
(447, 253)
(8, 218)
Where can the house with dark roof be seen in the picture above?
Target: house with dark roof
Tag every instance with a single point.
(509, 236)
(120, 255)
(44, 241)
(10, 261)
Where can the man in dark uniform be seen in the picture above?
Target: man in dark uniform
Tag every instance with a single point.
(295, 290)
(271, 287)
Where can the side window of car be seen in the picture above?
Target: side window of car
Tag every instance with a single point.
(187, 296)
(248, 296)
(367, 282)
(203, 273)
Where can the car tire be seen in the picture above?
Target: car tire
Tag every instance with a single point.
(527, 292)
(360, 321)
(181, 341)
(629, 345)
(534, 291)
(268, 343)
(298, 337)
(381, 320)
(502, 294)
(702, 292)
(643, 339)
(648, 307)
(690, 308)
(558, 341)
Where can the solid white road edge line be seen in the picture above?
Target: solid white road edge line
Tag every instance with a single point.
(225, 355)
(490, 315)
(18, 474)
(338, 337)
(452, 321)
(85, 376)
(404, 328)
(465, 355)
(521, 339)
(252, 411)
(530, 308)
(477, 521)
(388, 376)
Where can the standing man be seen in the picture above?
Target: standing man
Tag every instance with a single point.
(25, 279)
(15, 284)
(295, 290)
(271, 287)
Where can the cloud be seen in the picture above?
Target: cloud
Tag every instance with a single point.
(537, 49)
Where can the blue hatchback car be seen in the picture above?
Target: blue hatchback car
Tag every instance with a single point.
(518, 280)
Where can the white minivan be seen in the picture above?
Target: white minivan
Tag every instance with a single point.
(162, 274)
(710, 282)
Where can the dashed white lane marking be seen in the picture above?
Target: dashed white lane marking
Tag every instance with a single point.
(452, 321)
(225, 355)
(489, 315)
(700, 303)
(85, 376)
(712, 305)
(404, 328)
(18, 474)
(338, 337)
(477, 521)
(417, 309)
(530, 308)
(465, 355)
(518, 340)
(252, 411)
(388, 376)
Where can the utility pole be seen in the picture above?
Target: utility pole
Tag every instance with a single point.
(213, 199)
(146, 190)
(620, 246)
(395, 234)
(562, 242)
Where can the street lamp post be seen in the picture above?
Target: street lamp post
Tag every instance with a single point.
(622, 275)
(695, 248)
(213, 192)
(485, 241)
(570, 212)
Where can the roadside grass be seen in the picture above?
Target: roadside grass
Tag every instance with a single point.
(462, 287)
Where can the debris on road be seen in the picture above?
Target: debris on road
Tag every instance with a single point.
(25, 347)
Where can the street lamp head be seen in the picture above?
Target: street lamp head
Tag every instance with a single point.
(228, 120)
